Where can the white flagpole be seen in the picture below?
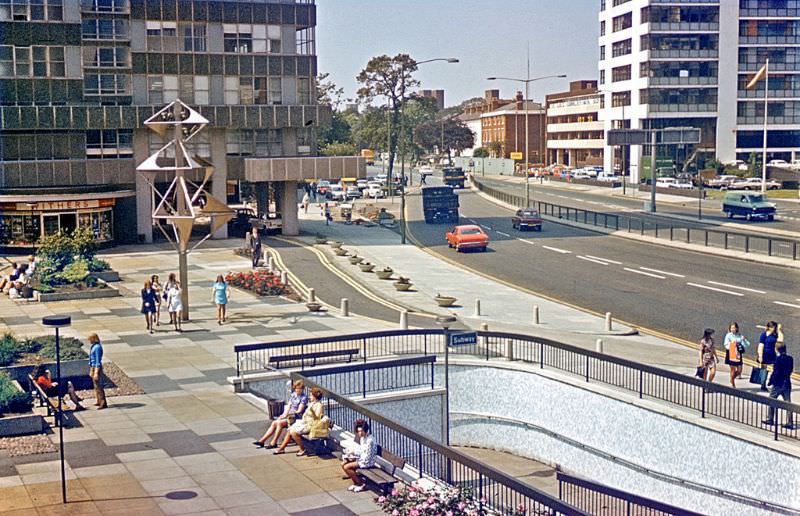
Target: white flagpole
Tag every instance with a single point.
(764, 150)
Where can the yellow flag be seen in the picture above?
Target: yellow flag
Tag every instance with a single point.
(760, 75)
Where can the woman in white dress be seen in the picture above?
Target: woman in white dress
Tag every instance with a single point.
(174, 304)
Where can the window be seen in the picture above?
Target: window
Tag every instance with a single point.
(275, 91)
(201, 90)
(245, 90)
(231, 90)
(105, 84)
(261, 91)
(162, 88)
(22, 61)
(622, 22)
(244, 38)
(31, 10)
(602, 77)
(621, 98)
(105, 29)
(186, 88)
(106, 57)
(305, 138)
(269, 142)
(303, 91)
(621, 48)
(105, 6)
(239, 143)
(237, 38)
(109, 144)
(162, 35)
(602, 5)
(602, 28)
(194, 37)
(621, 73)
(602, 52)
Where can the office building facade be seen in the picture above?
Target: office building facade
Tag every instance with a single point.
(574, 131)
(667, 63)
(78, 78)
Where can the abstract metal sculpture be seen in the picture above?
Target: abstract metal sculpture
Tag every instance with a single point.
(184, 201)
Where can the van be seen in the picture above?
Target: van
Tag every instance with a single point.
(747, 205)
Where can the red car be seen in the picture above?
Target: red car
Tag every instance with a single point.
(467, 237)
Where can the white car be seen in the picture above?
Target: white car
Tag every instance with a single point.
(778, 163)
(336, 193)
(722, 182)
(608, 178)
(426, 170)
(374, 190)
(380, 178)
(795, 164)
(753, 183)
(361, 184)
(671, 182)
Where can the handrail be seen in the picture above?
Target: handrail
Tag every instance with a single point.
(451, 455)
(371, 366)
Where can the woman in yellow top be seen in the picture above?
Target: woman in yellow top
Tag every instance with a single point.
(314, 424)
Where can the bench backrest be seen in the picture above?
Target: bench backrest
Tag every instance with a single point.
(391, 458)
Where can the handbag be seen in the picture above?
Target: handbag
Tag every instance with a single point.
(756, 375)
(700, 372)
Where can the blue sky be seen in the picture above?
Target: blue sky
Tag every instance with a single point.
(489, 37)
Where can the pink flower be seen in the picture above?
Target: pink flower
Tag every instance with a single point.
(394, 492)
(413, 512)
(381, 499)
(395, 513)
(431, 499)
(461, 506)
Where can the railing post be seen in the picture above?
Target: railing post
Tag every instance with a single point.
(671, 231)
(364, 345)
(703, 403)
(616, 223)
(585, 216)
(688, 235)
(419, 454)
(725, 240)
(302, 356)
(705, 241)
(629, 224)
(363, 383)
(769, 247)
(747, 243)
(587, 368)
(641, 383)
(794, 250)
(541, 355)
(777, 420)
(641, 227)
(656, 229)
(433, 376)
(238, 368)
(594, 214)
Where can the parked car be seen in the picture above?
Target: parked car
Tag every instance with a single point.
(361, 184)
(672, 182)
(381, 178)
(240, 223)
(323, 187)
(374, 190)
(467, 237)
(722, 182)
(753, 183)
(352, 192)
(747, 205)
(336, 192)
(425, 170)
(608, 178)
(795, 164)
(778, 163)
(527, 219)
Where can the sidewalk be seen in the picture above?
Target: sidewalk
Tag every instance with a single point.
(184, 446)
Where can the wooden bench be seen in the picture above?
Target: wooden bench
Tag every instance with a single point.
(322, 446)
(382, 476)
(44, 399)
(278, 359)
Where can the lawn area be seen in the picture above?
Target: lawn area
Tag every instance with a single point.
(772, 194)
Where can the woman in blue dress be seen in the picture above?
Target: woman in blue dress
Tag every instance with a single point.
(221, 293)
(149, 301)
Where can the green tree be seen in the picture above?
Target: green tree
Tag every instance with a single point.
(480, 152)
(449, 134)
(388, 80)
(338, 149)
(495, 149)
(416, 111)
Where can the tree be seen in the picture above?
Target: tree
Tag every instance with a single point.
(480, 152)
(388, 79)
(416, 111)
(449, 134)
(340, 128)
(338, 149)
(328, 94)
(495, 148)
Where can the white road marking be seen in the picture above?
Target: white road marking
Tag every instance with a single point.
(486, 227)
(472, 220)
(604, 259)
(591, 260)
(644, 273)
(737, 287)
(663, 272)
(714, 289)
(526, 241)
(501, 233)
(556, 249)
(786, 304)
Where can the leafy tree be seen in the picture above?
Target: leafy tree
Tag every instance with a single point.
(339, 149)
(446, 134)
(328, 94)
(388, 80)
(416, 111)
(495, 148)
(370, 129)
(480, 152)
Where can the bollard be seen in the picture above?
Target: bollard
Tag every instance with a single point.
(312, 295)
(404, 320)
(535, 314)
(285, 278)
(477, 308)
(270, 263)
(598, 345)
(345, 307)
(608, 321)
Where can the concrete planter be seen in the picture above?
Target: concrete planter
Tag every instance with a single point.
(335, 245)
(94, 293)
(445, 301)
(340, 252)
(107, 276)
(366, 267)
(355, 260)
(69, 368)
(22, 425)
(402, 287)
(314, 307)
(385, 273)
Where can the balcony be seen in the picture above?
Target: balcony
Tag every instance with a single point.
(571, 127)
(594, 143)
(700, 53)
(299, 169)
(784, 39)
(682, 81)
(684, 27)
(683, 108)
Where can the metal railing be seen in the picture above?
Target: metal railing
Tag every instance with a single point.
(597, 498)
(377, 377)
(429, 458)
(708, 399)
(720, 239)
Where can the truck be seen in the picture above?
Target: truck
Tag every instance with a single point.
(368, 155)
(439, 205)
(453, 176)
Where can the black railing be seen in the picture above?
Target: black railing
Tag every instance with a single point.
(727, 240)
(376, 377)
(597, 498)
(708, 399)
(499, 491)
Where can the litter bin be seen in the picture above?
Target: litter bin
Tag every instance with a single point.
(275, 408)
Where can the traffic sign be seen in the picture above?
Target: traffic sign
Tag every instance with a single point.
(516, 155)
(463, 338)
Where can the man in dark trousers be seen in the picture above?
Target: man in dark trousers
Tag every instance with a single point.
(781, 384)
(255, 246)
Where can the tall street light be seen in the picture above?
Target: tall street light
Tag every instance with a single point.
(525, 101)
(59, 321)
(403, 148)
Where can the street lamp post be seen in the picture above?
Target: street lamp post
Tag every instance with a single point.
(527, 82)
(59, 321)
(403, 149)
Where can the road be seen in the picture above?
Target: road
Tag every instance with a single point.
(668, 290)
(788, 218)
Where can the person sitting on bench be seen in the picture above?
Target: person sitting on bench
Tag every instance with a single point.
(294, 410)
(314, 424)
(362, 457)
(45, 380)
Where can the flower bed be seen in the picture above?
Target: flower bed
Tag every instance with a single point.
(262, 283)
(414, 500)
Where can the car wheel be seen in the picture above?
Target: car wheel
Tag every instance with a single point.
(747, 216)
(770, 217)
(730, 214)
(483, 249)
(458, 249)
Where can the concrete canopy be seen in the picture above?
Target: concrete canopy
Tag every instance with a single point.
(299, 169)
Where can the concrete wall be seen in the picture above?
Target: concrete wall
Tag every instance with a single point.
(488, 166)
(580, 430)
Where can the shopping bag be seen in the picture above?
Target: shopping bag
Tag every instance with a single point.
(755, 375)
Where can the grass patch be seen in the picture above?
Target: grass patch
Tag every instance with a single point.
(14, 351)
(11, 398)
(771, 194)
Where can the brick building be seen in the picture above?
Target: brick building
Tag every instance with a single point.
(504, 124)
(574, 132)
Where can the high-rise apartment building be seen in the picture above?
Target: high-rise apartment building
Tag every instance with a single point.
(436, 95)
(666, 63)
(78, 78)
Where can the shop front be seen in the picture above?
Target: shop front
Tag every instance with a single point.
(26, 219)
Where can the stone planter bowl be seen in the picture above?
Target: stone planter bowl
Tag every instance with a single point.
(402, 287)
(384, 274)
(445, 301)
(320, 240)
(366, 267)
(355, 260)
(314, 307)
(339, 251)
(335, 244)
